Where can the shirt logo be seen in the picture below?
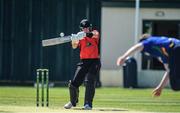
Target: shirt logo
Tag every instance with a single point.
(88, 44)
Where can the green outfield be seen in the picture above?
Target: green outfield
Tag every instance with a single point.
(14, 99)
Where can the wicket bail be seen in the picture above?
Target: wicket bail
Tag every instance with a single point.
(42, 79)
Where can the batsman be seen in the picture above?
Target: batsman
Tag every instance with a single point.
(87, 40)
(167, 51)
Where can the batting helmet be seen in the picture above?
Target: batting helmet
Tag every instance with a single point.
(85, 24)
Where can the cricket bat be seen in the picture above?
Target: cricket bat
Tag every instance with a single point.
(56, 41)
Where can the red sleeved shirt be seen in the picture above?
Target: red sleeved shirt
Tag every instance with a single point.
(89, 47)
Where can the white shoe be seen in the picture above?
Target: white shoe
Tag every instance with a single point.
(68, 105)
(87, 107)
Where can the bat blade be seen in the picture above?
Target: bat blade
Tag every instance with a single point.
(56, 41)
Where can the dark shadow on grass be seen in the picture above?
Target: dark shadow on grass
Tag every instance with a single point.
(101, 109)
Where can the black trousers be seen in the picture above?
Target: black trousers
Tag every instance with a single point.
(89, 69)
(86, 68)
(174, 65)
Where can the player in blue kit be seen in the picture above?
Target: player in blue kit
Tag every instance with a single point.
(167, 51)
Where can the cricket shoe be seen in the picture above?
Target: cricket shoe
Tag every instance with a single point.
(87, 107)
(68, 105)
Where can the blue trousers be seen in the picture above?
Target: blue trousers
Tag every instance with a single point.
(174, 65)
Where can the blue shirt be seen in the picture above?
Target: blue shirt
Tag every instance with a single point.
(159, 46)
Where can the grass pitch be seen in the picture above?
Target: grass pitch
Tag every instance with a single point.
(23, 99)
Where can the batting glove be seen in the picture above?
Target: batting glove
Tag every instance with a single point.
(81, 35)
(74, 37)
